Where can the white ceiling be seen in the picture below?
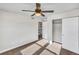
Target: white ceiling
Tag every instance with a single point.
(57, 7)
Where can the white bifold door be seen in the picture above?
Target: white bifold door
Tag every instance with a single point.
(70, 32)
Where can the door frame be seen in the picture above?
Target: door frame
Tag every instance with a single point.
(53, 31)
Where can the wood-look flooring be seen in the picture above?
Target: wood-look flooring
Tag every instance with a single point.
(17, 51)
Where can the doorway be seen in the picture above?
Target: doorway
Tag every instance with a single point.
(39, 30)
(57, 30)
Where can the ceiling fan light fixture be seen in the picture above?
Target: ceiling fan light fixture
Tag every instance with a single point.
(37, 14)
(38, 11)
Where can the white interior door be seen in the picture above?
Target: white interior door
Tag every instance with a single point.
(70, 34)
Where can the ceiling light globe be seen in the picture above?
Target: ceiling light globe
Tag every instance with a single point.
(38, 14)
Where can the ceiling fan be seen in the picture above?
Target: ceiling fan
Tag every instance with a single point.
(38, 11)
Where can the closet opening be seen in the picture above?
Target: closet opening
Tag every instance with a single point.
(57, 30)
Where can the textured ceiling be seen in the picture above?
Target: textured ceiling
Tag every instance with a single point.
(57, 7)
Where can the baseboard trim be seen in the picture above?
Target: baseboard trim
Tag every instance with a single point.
(9, 49)
(67, 52)
(57, 42)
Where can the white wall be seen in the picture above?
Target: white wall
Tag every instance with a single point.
(16, 30)
(49, 28)
(66, 14)
(44, 27)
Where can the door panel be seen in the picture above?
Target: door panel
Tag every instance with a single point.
(70, 34)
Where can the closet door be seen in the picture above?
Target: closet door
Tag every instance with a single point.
(70, 34)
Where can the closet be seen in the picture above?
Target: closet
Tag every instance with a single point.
(57, 30)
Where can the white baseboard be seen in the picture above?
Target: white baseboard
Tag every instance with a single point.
(23, 43)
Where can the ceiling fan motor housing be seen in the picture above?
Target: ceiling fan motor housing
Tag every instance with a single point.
(38, 10)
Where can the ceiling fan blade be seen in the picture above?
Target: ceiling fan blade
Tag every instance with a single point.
(28, 10)
(48, 11)
(42, 14)
(33, 14)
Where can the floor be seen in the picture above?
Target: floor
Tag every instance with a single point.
(39, 47)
